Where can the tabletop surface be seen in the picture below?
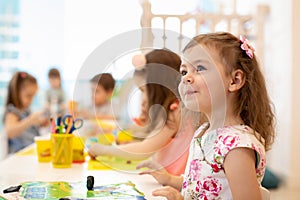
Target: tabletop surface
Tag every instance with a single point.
(21, 168)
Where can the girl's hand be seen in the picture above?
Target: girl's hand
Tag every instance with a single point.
(169, 192)
(97, 150)
(36, 118)
(156, 170)
(44, 120)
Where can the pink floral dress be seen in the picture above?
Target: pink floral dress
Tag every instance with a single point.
(204, 175)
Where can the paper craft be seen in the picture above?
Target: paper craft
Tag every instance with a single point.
(112, 163)
(56, 190)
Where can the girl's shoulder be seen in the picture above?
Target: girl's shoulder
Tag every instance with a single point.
(12, 109)
(16, 111)
(240, 136)
(237, 135)
(241, 133)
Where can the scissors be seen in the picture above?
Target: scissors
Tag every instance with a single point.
(71, 124)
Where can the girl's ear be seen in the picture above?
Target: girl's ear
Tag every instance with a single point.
(237, 80)
(174, 105)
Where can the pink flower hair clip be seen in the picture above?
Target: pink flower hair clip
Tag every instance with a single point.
(246, 46)
(23, 74)
(139, 61)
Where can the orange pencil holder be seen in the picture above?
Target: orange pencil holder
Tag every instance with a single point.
(62, 150)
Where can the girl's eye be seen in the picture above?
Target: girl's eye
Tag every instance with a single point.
(200, 68)
(183, 72)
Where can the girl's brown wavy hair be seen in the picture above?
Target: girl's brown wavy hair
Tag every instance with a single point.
(253, 105)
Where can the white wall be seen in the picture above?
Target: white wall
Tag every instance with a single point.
(278, 74)
(41, 36)
(89, 23)
(294, 175)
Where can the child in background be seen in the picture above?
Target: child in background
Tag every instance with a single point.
(102, 89)
(55, 95)
(20, 125)
(162, 134)
(222, 79)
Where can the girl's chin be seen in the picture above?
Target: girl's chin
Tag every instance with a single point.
(192, 106)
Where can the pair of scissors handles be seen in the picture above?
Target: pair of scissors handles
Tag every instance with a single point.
(72, 124)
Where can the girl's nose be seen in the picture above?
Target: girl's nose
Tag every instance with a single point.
(187, 79)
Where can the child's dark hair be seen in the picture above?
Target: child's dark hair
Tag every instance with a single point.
(161, 75)
(14, 87)
(106, 80)
(54, 73)
(253, 103)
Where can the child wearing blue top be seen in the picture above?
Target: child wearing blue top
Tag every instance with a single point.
(55, 95)
(21, 126)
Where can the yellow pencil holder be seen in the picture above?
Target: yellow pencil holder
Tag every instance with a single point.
(62, 150)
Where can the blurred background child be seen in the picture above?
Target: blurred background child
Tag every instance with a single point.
(55, 95)
(102, 90)
(21, 126)
(102, 87)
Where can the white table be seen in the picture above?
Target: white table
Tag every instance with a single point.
(17, 169)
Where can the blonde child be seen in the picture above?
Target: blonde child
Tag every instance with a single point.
(21, 126)
(222, 79)
(55, 95)
(160, 114)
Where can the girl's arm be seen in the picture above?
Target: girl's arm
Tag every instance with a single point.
(239, 166)
(14, 127)
(135, 150)
(106, 117)
(145, 148)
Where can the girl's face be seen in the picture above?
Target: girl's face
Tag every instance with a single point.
(27, 92)
(203, 80)
(54, 82)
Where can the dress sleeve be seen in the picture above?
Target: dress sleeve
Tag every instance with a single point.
(12, 109)
(231, 138)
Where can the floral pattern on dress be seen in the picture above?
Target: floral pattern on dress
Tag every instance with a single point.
(194, 172)
(195, 169)
(223, 144)
(204, 176)
(208, 188)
